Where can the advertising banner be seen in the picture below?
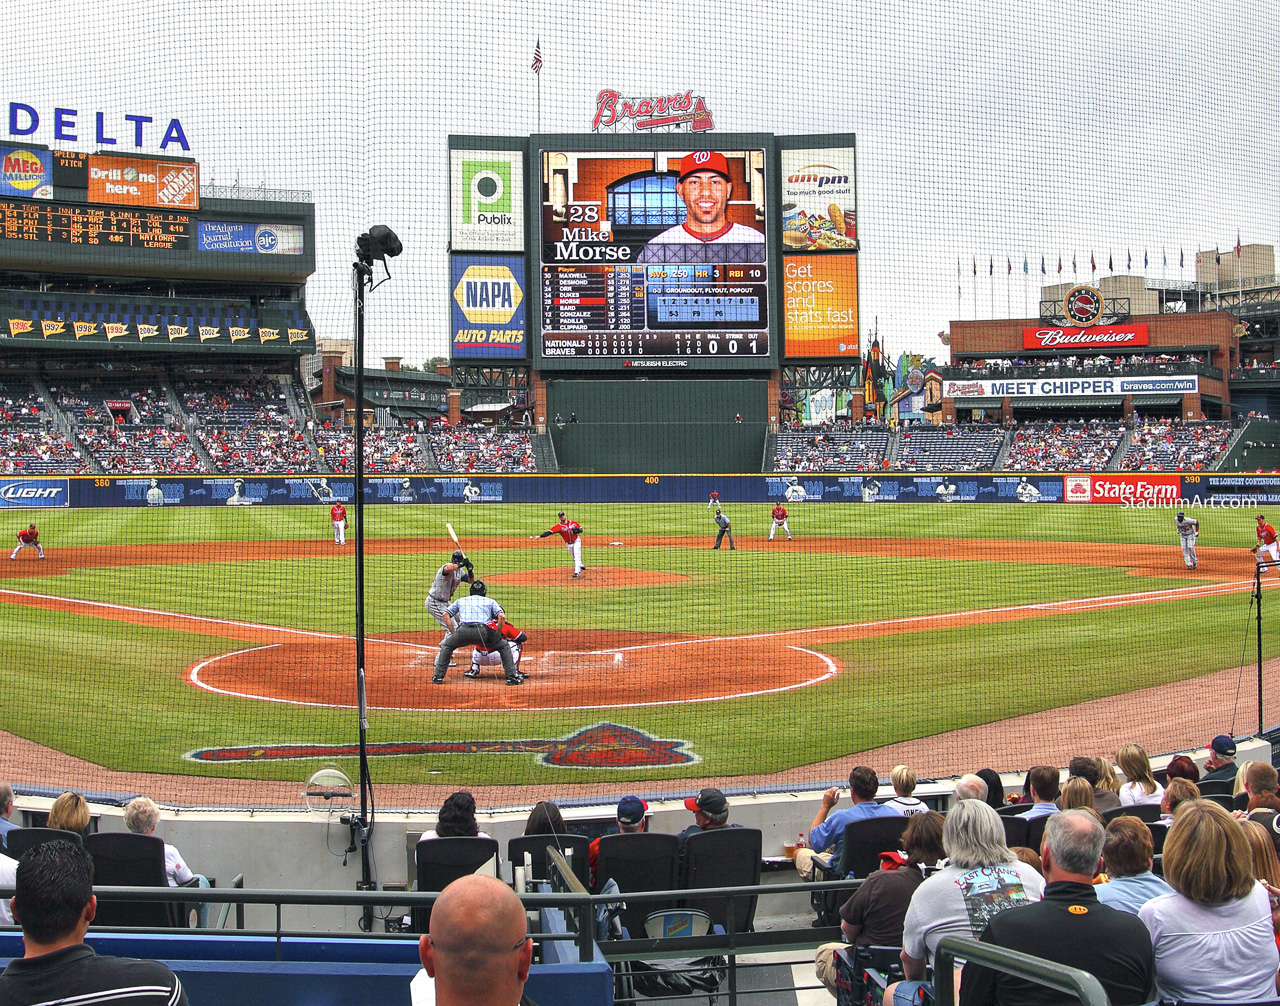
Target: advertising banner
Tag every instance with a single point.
(26, 173)
(1121, 487)
(70, 169)
(1074, 387)
(819, 200)
(33, 492)
(488, 311)
(1103, 337)
(251, 239)
(820, 305)
(486, 200)
(135, 181)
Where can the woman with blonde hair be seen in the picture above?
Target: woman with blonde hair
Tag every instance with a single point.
(1107, 778)
(1077, 794)
(1141, 786)
(1178, 792)
(1266, 864)
(1213, 937)
(903, 778)
(69, 813)
(1241, 772)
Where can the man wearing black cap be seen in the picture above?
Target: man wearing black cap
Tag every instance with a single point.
(710, 811)
(631, 820)
(706, 235)
(1222, 749)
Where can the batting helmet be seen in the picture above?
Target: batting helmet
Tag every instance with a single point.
(458, 556)
(1181, 515)
(478, 587)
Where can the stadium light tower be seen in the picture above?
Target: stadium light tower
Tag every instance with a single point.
(376, 245)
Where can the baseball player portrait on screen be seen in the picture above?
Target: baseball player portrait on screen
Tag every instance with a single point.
(705, 187)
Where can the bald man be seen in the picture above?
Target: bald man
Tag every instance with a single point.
(478, 950)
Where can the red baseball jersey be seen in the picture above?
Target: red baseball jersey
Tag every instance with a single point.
(714, 496)
(779, 512)
(28, 535)
(1266, 533)
(567, 529)
(508, 630)
(337, 512)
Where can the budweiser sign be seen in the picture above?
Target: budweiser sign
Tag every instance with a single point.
(1100, 337)
(674, 113)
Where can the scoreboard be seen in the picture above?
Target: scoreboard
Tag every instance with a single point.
(68, 224)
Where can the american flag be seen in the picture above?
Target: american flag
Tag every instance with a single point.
(537, 57)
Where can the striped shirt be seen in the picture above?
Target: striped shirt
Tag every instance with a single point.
(78, 975)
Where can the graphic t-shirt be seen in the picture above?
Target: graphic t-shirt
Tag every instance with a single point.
(958, 901)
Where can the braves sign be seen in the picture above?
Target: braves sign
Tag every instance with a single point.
(675, 113)
(1097, 337)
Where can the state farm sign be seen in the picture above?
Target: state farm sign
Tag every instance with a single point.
(1098, 337)
(1121, 488)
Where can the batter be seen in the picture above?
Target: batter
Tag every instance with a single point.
(1188, 531)
(571, 532)
(458, 569)
(779, 521)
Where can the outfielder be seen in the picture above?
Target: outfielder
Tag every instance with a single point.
(482, 656)
(1265, 552)
(1188, 531)
(779, 521)
(458, 569)
(571, 532)
(722, 522)
(338, 514)
(28, 537)
(470, 621)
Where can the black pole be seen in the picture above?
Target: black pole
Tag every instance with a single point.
(361, 270)
(1257, 593)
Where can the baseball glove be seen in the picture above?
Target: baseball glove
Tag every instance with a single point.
(1254, 550)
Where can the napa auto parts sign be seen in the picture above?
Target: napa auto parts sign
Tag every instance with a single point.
(1104, 337)
(1122, 488)
(1071, 387)
(671, 113)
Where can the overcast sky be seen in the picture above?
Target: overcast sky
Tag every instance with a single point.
(993, 130)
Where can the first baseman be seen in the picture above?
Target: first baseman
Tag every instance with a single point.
(1266, 551)
(475, 620)
(458, 569)
(722, 522)
(779, 521)
(1188, 531)
(28, 537)
(338, 514)
(571, 532)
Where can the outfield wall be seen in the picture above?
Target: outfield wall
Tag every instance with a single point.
(1135, 488)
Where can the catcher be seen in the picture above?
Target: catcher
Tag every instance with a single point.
(482, 656)
(1266, 552)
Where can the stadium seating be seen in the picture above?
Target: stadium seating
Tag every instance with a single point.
(140, 450)
(257, 448)
(251, 399)
(385, 450)
(949, 448)
(475, 448)
(28, 444)
(826, 449)
(1161, 445)
(1063, 446)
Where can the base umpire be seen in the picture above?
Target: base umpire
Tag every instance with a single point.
(469, 619)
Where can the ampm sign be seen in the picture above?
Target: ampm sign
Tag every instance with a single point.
(488, 310)
(22, 493)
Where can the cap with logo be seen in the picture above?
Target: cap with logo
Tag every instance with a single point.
(1223, 745)
(631, 810)
(704, 160)
(709, 801)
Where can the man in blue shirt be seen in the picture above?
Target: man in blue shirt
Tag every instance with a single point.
(1127, 859)
(827, 830)
(1043, 783)
(476, 620)
(6, 808)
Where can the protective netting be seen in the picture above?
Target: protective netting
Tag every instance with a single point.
(189, 633)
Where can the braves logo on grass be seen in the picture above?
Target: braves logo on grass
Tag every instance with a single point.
(603, 745)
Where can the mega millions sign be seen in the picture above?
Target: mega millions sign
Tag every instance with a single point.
(1072, 387)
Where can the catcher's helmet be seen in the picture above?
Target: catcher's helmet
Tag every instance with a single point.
(458, 556)
(478, 587)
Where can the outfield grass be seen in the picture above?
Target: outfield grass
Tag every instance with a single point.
(115, 694)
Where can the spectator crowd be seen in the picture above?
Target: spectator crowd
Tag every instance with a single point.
(471, 447)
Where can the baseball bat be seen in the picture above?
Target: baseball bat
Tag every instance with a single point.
(453, 534)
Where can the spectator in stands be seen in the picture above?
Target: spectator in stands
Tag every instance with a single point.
(1213, 937)
(1260, 778)
(631, 819)
(1262, 852)
(1107, 778)
(6, 810)
(69, 813)
(545, 819)
(710, 812)
(903, 778)
(1028, 856)
(971, 787)
(873, 916)
(1127, 857)
(1068, 926)
(1182, 767)
(1087, 768)
(457, 819)
(1221, 761)
(1141, 786)
(478, 950)
(1178, 792)
(1043, 780)
(54, 905)
(141, 816)
(995, 786)
(981, 879)
(1076, 794)
(826, 833)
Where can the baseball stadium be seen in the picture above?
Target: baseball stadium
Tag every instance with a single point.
(323, 508)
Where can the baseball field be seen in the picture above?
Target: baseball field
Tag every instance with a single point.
(206, 654)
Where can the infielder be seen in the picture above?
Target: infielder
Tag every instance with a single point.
(779, 521)
(469, 621)
(1266, 552)
(338, 514)
(713, 500)
(458, 569)
(1188, 531)
(482, 656)
(571, 532)
(28, 537)
(722, 522)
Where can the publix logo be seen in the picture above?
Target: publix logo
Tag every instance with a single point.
(27, 171)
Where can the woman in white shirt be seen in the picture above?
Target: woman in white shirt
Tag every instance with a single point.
(1141, 786)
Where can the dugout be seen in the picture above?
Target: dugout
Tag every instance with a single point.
(661, 426)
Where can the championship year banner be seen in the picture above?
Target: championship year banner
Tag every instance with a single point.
(488, 309)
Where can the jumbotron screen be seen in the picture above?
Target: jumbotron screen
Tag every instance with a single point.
(653, 258)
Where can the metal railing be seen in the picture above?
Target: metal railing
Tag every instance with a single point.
(260, 194)
(1072, 981)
